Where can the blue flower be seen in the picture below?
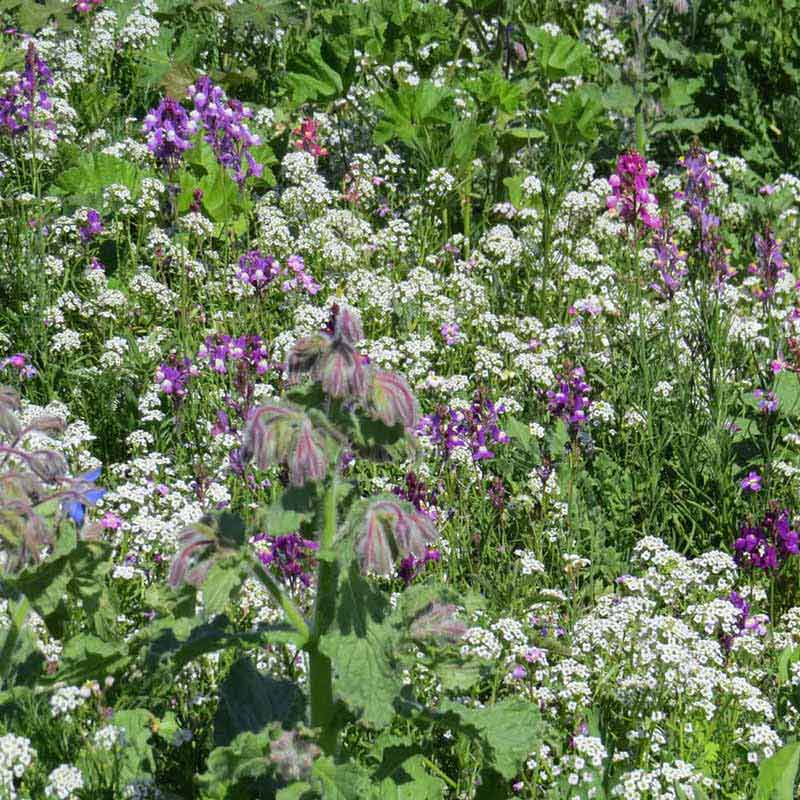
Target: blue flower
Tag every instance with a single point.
(76, 509)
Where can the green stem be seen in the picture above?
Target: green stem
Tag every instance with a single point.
(292, 612)
(319, 665)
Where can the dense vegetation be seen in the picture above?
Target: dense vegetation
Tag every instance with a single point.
(399, 399)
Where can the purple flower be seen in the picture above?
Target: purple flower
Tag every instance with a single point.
(169, 132)
(223, 121)
(770, 267)
(752, 483)
(290, 555)
(476, 427)
(92, 227)
(570, 399)
(767, 544)
(451, 333)
(257, 270)
(767, 401)
(696, 196)
(20, 102)
(173, 376)
(670, 264)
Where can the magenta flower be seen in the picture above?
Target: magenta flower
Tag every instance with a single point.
(169, 132)
(630, 196)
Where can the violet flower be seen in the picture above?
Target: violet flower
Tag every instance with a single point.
(19, 103)
(768, 544)
(770, 267)
(169, 130)
(570, 399)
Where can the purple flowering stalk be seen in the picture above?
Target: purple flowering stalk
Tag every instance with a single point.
(20, 102)
(570, 399)
(259, 271)
(476, 428)
(696, 196)
(169, 132)
(770, 266)
(290, 555)
(224, 123)
(669, 263)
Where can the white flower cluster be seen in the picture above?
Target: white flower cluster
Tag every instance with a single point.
(16, 755)
(63, 782)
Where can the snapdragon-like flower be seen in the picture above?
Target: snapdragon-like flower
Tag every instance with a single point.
(19, 362)
(770, 266)
(476, 427)
(224, 123)
(307, 138)
(696, 196)
(751, 483)
(224, 353)
(290, 555)
(630, 196)
(669, 263)
(451, 333)
(169, 131)
(257, 270)
(767, 401)
(173, 376)
(92, 227)
(20, 102)
(767, 544)
(85, 6)
(570, 399)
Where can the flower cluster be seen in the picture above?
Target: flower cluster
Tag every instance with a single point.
(696, 196)
(290, 555)
(669, 263)
(173, 376)
(630, 196)
(223, 120)
(570, 399)
(769, 543)
(474, 428)
(257, 270)
(417, 492)
(224, 354)
(169, 130)
(20, 102)
(307, 138)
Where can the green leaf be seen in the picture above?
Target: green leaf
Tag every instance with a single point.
(136, 760)
(249, 701)
(86, 657)
(402, 772)
(776, 775)
(342, 781)
(239, 770)
(85, 182)
(509, 730)
(787, 388)
(310, 78)
(365, 676)
(223, 582)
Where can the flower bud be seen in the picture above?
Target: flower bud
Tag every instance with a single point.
(268, 435)
(342, 374)
(307, 460)
(305, 356)
(293, 756)
(391, 401)
(347, 327)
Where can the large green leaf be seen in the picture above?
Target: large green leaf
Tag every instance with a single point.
(509, 730)
(86, 657)
(311, 78)
(249, 701)
(347, 781)
(136, 760)
(94, 172)
(776, 775)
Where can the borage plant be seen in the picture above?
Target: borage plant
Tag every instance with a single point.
(357, 643)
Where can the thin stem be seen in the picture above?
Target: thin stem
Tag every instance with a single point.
(292, 612)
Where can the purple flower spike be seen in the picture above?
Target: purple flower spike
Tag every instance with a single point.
(630, 196)
(169, 132)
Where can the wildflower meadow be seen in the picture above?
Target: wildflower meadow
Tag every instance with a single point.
(399, 399)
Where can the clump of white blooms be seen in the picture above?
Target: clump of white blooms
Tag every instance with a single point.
(63, 782)
(16, 755)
